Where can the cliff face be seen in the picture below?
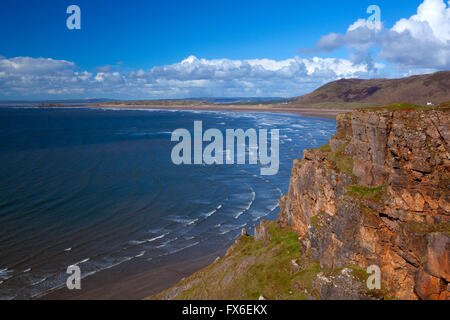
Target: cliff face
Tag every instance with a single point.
(379, 194)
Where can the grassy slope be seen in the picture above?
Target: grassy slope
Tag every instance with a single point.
(274, 269)
(343, 94)
(356, 93)
(251, 269)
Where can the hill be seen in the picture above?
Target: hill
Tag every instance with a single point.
(349, 93)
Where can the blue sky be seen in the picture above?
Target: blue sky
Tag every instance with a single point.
(141, 45)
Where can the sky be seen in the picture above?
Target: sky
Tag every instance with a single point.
(149, 49)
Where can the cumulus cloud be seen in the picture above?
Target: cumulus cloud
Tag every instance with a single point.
(191, 77)
(421, 41)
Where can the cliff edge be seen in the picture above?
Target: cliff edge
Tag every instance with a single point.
(378, 194)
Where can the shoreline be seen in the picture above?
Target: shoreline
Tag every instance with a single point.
(139, 286)
(306, 112)
(155, 278)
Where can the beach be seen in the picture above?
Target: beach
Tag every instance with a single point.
(138, 286)
(326, 113)
(114, 203)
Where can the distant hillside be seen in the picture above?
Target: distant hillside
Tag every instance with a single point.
(348, 93)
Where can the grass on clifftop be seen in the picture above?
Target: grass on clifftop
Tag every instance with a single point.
(408, 107)
(361, 192)
(401, 106)
(338, 160)
(274, 269)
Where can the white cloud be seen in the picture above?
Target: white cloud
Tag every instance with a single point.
(377, 25)
(421, 42)
(192, 77)
(432, 20)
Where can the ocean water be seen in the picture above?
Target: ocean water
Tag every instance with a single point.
(97, 188)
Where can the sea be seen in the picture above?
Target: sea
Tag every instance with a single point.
(97, 188)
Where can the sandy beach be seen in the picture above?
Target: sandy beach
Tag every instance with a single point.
(306, 112)
(138, 286)
(153, 278)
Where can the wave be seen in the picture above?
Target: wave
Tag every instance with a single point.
(39, 281)
(233, 228)
(158, 237)
(139, 254)
(181, 249)
(82, 261)
(4, 273)
(266, 214)
(192, 222)
(248, 205)
(167, 242)
(209, 214)
(138, 242)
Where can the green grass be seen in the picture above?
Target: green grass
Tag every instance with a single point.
(255, 268)
(404, 106)
(325, 148)
(340, 161)
(400, 107)
(361, 275)
(361, 192)
(316, 220)
(333, 105)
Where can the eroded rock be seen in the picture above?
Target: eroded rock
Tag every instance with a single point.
(397, 213)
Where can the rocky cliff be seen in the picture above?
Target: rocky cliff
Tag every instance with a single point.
(379, 194)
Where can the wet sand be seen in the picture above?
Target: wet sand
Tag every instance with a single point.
(135, 287)
(307, 112)
(157, 278)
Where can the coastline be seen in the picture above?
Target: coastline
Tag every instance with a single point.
(139, 286)
(156, 278)
(306, 112)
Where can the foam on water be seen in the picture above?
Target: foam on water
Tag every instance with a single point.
(98, 187)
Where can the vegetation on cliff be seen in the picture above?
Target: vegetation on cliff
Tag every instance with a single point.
(270, 267)
(377, 194)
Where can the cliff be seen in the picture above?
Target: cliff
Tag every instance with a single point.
(378, 194)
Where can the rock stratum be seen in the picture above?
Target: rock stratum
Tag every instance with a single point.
(377, 194)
